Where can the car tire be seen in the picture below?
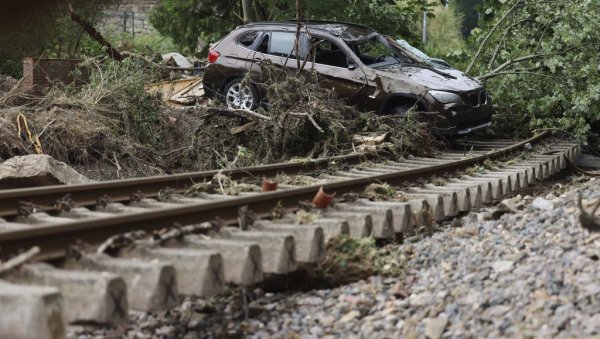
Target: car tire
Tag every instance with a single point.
(239, 95)
(401, 110)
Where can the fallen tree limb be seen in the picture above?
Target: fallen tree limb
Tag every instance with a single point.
(89, 29)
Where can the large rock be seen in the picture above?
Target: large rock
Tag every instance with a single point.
(37, 170)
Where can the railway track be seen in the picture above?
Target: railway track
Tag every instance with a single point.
(90, 286)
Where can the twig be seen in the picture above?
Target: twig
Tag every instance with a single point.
(18, 260)
(117, 164)
(46, 126)
(176, 150)
(310, 117)
(247, 112)
(220, 183)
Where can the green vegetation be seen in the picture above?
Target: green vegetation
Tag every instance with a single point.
(540, 61)
(352, 259)
(187, 21)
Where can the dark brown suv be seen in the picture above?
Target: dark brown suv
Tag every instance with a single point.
(371, 71)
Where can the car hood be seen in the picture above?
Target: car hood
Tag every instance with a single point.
(428, 79)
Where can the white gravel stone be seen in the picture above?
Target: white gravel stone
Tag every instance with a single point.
(542, 204)
(434, 327)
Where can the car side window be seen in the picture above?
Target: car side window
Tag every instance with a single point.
(264, 45)
(282, 44)
(248, 38)
(326, 52)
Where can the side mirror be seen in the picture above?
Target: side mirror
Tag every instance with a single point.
(351, 65)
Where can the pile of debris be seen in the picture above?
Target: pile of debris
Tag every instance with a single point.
(137, 115)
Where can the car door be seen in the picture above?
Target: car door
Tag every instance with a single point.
(337, 71)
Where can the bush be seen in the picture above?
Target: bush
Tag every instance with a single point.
(540, 62)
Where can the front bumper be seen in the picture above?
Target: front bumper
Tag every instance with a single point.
(463, 119)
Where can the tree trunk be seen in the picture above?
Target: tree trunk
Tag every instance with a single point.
(249, 12)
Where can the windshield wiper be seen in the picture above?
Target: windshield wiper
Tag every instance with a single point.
(434, 70)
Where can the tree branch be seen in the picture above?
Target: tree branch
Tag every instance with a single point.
(112, 52)
(506, 31)
(514, 61)
(487, 37)
(487, 76)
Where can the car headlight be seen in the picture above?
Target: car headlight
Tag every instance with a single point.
(445, 97)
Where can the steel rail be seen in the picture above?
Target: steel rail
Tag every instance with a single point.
(120, 190)
(54, 238)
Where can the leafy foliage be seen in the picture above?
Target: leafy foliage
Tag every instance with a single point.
(187, 20)
(444, 32)
(541, 62)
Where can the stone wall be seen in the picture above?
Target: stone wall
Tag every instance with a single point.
(131, 16)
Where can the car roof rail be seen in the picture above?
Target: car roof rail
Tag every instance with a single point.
(315, 21)
(292, 22)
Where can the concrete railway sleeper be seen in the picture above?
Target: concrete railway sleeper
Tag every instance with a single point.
(98, 288)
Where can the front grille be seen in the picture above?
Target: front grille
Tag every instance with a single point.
(482, 98)
(477, 98)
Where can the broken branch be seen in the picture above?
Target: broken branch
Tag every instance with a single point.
(18, 260)
(89, 29)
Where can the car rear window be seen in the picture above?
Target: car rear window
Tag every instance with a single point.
(247, 39)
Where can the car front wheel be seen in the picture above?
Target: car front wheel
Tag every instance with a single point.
(401, 110)
(239, 95)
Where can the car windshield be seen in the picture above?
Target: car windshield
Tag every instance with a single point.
(377, 52)
(437, 63)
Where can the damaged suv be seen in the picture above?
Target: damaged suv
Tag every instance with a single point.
(373, 72)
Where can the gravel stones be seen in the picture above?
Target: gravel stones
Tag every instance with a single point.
(434, 327)
(542, 204)
(531, 273)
